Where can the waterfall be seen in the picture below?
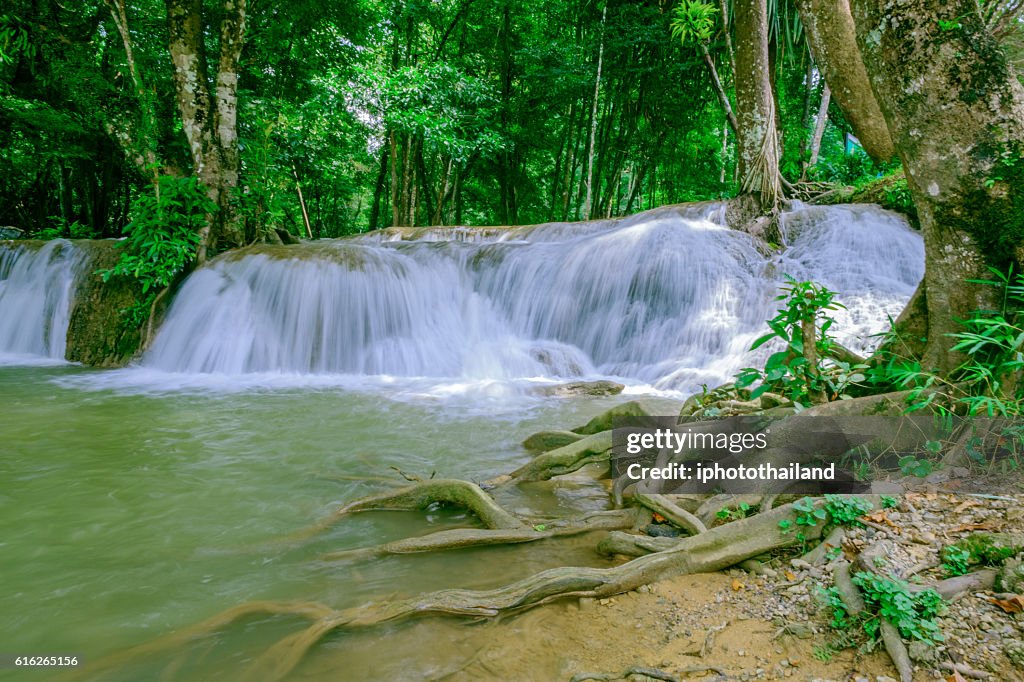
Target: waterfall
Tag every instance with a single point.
(669, 298)
(37, 286)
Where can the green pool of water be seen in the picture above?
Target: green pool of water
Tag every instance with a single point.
(125, 515)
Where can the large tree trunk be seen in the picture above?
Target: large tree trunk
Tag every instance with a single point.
(832, 39)
(209, 121)
(232, 39)
(956, 114)
(757, 136)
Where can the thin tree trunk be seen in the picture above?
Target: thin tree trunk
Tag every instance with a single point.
(505, 174)
(139, 143)
(725, 154)
(424, 185)
(819, 128)
(410, 159)
(396, 195)
(723, 97)
(723, 8)
(556, 176)
(441, 192)
(185, 29)
(593, 120)
(302, 203)
(570, 167)
(378, 190)
(805, 118)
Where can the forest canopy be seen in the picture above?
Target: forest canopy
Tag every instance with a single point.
(360, 115)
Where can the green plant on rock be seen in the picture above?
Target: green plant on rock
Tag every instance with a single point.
(62, 229)
(985, 548)
(898, 198)
(741, 511)
(801, 370)
(838, 510)
(807, 513)
(913, 613)
(956, 560)
(841, 619)
(161, 238)
(844, 510)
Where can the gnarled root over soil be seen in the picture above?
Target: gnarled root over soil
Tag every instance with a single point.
(713, 550)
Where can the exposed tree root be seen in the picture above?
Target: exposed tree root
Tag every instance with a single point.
(629, 544)
(348, 478)
(897, 650)
(951, 588)
(714, 550)
(640, 671)
(461, 538)
(560, 461)
(420, 496)
(667, 509)
(832, 542)
(848, 592)
(707, 511)
(657, 558)
(309, 610)
(965, 670)
(854, 602)
(948, 589)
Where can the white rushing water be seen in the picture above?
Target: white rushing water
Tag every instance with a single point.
(668, 299)
(36, 290)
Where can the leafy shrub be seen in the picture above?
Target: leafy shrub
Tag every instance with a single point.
(789, 371)
(163, 234)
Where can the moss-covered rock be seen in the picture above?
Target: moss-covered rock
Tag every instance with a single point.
(890, 192)
(102, 331)
(549, 440)
(604, 421)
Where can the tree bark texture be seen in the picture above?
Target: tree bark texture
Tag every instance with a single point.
(955, 111)
(757, 136)
(832, 39)
(210, 120)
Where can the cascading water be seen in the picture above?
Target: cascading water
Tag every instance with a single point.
(36, 290)
(670, 298)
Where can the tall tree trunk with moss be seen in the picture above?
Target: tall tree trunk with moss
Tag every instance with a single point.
(210, 119)
(955, 111)
(757, 135)
(832, 39)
